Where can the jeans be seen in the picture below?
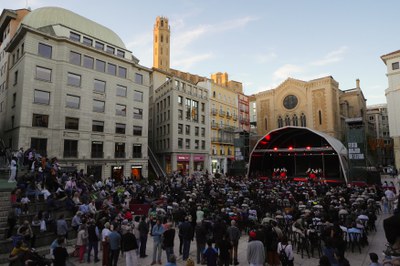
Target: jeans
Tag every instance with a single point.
(157, 251)
(114, 254)
(169, 251)
(143, 242)
(95, 246)
(186, 249)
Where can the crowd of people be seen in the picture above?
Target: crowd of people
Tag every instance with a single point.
(207, 214)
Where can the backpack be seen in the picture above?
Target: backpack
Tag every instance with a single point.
(283, 256)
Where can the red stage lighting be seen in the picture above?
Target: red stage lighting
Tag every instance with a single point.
(275, 148)
(308, 148)
(268, 137)
(290, 148)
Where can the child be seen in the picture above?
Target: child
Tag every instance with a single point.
(210, 254)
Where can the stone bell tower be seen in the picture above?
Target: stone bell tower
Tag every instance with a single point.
(161, 34)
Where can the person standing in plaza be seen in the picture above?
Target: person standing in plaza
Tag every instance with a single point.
(81, 241)
(105, 243)
(157, 232)
(201, 240)
(187, 236)
(168, 240)
(255, 251)
(129, 248)
(13, 170)
(234, 236)
(93, 237)
(143, 231)
(115, 246)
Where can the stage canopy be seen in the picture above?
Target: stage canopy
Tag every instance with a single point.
(297, 149)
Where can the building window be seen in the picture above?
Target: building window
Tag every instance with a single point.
(12, 121)
(280, 121)
(72, 123)
(74, 36)
(137, 130)
(180, 114)
(87, 41)
(99, 86)
(39, 120)
(88, 62)
(15, 77)
(295, 120)
(97, 126)
(138, 78)
(97, 149)
(100, 65)
(40, 145)
(138, 96)
(99, 45)
(395, 65)
(320, 117)
(196, 131)
(203, 106)
(121, 91)
(99, 106)
(122, 72)
(203, 132)
(265, 124)
(41, 97)
(187, 143)
(287, 120)
(119, 150)
(180, 143)
(180, 100)
(73, 101)
(120, 109)
(203, 119)
(43, 73)
(180, 129)
(14, 100)
(75, 58)
(111, 69)
(110, 50)
(73, 79)
(187, 129)
(120, 53)
(137, 151)
(203, 144)
(70, 148)
(120, 128)
(303, 121)
(45, 50)
(196, 144)
(137, 113)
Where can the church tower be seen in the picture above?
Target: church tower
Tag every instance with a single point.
(161, 40)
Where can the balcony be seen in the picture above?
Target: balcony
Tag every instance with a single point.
(214, 111)
(214, 125)
(119, 155)
(244, 121)
(228, 115)
(234, 117)
(97, 154)
(221, 113)
(137, 155)
(216, 139)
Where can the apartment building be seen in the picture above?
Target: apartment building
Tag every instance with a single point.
(75, 92)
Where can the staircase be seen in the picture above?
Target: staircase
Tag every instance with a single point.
(5, 206)
(155, 165)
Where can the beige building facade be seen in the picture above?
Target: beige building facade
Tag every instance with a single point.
(318, 104)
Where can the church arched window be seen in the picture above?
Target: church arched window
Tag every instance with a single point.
(303, 121)
(295, 120)
(280, 121)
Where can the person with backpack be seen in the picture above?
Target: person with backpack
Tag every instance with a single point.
(285, 251)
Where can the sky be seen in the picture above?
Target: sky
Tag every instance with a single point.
(260, 43)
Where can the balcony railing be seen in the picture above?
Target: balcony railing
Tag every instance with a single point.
(228, 115)
(214, 111)
(71, 154)
(221, 113)
(137, 155)
(214, 125)
(234, 117)
(119, 155)
(97, 154)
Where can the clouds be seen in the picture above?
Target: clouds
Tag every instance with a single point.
(187, 62)
(332, 57)
(286, 71)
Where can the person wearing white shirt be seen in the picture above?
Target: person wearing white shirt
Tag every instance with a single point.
(288, 249)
